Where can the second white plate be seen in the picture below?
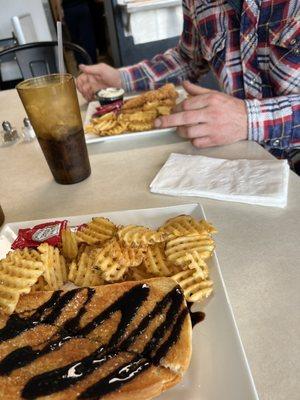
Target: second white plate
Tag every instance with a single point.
(90, 138)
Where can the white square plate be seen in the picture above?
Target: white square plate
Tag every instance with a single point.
(219, 369)
(90, 138)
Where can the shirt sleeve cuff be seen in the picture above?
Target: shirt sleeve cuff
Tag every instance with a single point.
(270, 121)
(255, 131)
(126, 80)
(134, 78)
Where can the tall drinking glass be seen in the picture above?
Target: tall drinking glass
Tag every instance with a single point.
(1, 216)
(52, 107)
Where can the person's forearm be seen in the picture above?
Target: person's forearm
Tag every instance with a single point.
(275, 122)
(175, 65)
(163, 68)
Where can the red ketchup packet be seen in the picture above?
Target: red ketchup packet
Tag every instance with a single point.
(50, 232)
(112, 107)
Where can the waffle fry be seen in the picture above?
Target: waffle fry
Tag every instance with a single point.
(193, 286)
(155, 261)
(55, 273)
(185, 225)
(134, 235)
(8, 298)
(69, 244)
(105, 126)
(105, 117)
(128, 256)
(100, 253)
(117, 129)
(207, 227)
(104, 123)
(17, 276)
(82, 272)
(109, 262)
(124, 255)
(178, 249)
(133, 256)
(90, 128)
(195, 261)
(24, 254)
(96, 231)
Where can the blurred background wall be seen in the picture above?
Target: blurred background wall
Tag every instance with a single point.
(39, 11)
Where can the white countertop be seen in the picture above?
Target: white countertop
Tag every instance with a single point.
(257, 247)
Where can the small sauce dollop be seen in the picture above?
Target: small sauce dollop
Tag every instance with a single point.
(110, 92)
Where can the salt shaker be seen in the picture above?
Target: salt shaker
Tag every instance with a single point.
(27, 130)
(9, 134)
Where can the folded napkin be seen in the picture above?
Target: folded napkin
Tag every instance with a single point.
(262, 182)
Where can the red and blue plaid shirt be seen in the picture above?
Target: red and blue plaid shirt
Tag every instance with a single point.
(255, 55)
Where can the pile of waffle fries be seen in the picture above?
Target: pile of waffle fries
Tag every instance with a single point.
(137, 114)
(101, 252)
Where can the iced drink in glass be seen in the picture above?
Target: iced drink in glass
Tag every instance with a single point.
(52, 107)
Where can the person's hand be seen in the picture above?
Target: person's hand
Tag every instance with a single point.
(96, 77)
(208, 118)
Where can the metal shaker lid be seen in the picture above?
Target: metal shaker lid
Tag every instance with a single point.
(6, 126)
(26, 122)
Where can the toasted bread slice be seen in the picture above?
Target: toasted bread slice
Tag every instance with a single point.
(111, 342)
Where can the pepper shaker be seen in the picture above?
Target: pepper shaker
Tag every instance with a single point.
(9, 135)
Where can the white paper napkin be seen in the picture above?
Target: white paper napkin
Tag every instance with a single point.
(262, 182)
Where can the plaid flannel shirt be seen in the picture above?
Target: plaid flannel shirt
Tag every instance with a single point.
(255, 56)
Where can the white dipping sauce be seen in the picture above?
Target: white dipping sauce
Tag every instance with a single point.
(110, 92)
